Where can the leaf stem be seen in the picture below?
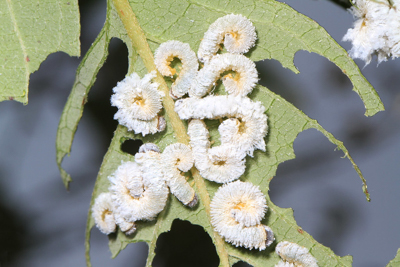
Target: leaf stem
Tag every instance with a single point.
(140, 44)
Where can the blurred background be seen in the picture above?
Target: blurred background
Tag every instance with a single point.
(41, 224)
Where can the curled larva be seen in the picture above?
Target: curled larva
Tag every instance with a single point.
(295, 254)
(218, 164)
(131, 206)
(163, 57)
(174, 158)
(245, 79)
(106, 217)
(103, 214)
(237, 32)
(246, 130)
(237, 209)
(138, 102)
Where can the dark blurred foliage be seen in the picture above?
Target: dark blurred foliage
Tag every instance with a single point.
(13, 234)
(342, 3)
(185, 245)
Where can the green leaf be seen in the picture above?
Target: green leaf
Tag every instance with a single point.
(285, 123)
(29, 32)
(282, 32)
(396, 261)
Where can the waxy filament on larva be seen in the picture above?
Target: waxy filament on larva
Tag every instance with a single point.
(138, 102)
(246, 133)
(222, 165)
(237, 209)
(235, 31)
(106, 218)
(175, 158)
(246, 75)
(103, 214)
(163, 58)
(292, 253)
(152, 201)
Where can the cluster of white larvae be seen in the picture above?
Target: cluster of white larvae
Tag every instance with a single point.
(376, 30)
(139, 189)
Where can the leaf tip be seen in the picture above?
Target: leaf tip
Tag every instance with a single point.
(372, 112)
(365, 190)
(66, 178)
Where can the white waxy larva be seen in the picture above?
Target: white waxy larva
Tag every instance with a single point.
(237, 32)
(163, 57)
(103, 214)
(138, 102)
(237, 209)
(174, 158)
(297, 255)
(246, 75)
(149, 147)
(106, 217)
(218, 164)
(152, 126)
(127, 227)
(154, 195)
(285, 264)
(246, 134)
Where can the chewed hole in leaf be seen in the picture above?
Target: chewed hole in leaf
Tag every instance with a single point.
(185, 245)
(131, 146)
(301, 181)
(98, 105)
(271, 73)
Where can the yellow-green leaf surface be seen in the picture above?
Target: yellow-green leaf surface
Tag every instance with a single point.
(396, 261)
(30, 30)
(281, 32)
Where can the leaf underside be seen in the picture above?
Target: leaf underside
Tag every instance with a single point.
(281, 32)
(30, 30)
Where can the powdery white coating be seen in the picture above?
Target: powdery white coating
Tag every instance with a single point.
(237, 209)
(295, 254)
(284, 264)
(376, 30)
(270, 236)
(236, 31)
(155, 193)
(149, 147)
(246, 134)
(163, 57)
(127, 227)
(157, 124)
(161, 124)
(242, 84)
(174, 158)
(218, 164)
(138, 102)
(102, 213)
